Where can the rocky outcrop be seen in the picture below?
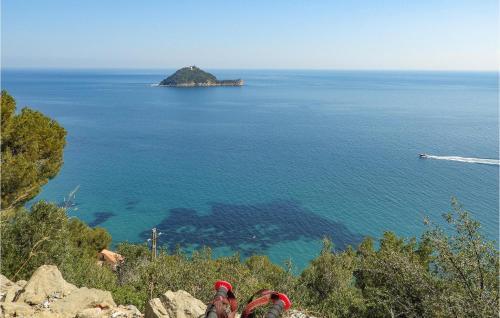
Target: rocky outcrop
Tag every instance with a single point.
(48, 295)
(9, 289)
(46, 282)
(178, 304)
(82, 299)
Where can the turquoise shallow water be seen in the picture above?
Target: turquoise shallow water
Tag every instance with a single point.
(273, 166)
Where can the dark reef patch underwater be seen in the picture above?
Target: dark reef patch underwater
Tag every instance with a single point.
(249, 229)
(100, 217)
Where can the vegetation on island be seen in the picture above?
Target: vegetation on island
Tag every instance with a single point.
(194, 76)
(452, 273)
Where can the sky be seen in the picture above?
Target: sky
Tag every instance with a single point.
(257, 34)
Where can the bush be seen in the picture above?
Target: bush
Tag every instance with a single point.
(45, 235)
(31, 239)
(327, 284)
(466, 267)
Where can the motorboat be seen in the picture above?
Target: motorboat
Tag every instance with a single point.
(422, 155)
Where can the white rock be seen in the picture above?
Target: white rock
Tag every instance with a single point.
(155, 309)
(21, 283)
(11, 309)
(178, 304)
(8, 289)
(44, 282)
(90, 313)
(81, 299)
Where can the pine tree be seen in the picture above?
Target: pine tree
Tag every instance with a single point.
(32, 152)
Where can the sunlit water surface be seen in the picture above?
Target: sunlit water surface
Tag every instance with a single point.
(275, 165)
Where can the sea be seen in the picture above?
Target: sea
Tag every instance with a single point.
(276, 165)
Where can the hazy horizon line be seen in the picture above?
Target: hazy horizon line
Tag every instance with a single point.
(250, 69)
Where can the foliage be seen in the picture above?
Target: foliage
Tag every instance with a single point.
(83, 270)
(327, 285)
(467, 267)
(31, 239)
(86, 238)
(32, 152)
(45, 235)
(395, 280)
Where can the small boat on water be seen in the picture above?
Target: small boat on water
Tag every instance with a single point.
(422, 155)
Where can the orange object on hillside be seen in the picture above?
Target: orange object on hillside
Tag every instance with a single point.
(111, 258)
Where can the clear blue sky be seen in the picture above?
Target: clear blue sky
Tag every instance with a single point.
(316, 34)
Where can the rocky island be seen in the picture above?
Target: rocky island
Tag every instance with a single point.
(193, 76)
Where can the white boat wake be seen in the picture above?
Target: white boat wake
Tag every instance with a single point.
(464, 159)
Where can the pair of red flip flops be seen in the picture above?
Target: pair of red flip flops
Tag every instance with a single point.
(225, 305)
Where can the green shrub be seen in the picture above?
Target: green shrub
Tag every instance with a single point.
(45, 235)
(466, 267)
(327, 284)
(31, 239)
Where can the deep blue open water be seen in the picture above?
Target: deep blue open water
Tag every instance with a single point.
(273, 166)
